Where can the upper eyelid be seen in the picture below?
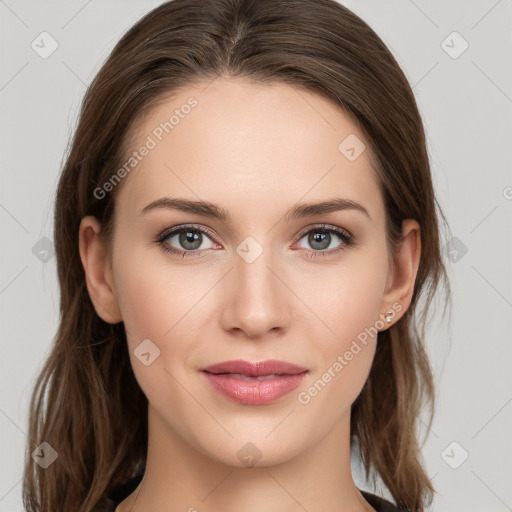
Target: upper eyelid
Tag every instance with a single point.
(327, 227)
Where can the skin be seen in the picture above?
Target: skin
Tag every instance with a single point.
(255, 150)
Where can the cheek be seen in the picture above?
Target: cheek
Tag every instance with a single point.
(346, 299)
(145, 306)
(151, 310)
(153, 295)
(348, 305)
(161, 302)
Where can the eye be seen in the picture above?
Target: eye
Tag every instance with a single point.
(188, 241)
(185, 240)
(321, 238)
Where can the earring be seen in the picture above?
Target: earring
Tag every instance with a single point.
(389, 312)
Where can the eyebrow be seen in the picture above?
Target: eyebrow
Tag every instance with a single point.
(207, 209)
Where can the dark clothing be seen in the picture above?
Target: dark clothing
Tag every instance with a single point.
(119, 494)
(378, 503)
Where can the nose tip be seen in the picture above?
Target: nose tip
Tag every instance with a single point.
(254, 298)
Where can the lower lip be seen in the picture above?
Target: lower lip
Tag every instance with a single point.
(254, 392)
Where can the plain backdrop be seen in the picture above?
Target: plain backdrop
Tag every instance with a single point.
(456, 55)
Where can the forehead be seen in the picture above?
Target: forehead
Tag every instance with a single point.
(272, 144)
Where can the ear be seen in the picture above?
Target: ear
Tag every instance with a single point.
(401, 279)
(98, 272)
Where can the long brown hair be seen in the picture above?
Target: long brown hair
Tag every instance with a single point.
(86, 403)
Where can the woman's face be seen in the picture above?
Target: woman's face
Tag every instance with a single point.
(260, 284)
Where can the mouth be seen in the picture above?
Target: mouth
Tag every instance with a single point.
(254, 383)
(258, 369)
(246, 377)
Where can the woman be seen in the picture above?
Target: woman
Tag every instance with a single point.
(244, 225)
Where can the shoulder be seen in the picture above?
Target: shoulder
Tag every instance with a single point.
(378, 503)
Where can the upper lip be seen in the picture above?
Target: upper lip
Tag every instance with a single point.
(256, 369)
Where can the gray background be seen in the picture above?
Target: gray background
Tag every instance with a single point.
(466, 104)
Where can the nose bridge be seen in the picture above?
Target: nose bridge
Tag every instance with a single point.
(257, 300)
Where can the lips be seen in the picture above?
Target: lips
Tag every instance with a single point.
(254, 383)
(257, 369)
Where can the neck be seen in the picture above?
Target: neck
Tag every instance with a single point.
(180, 477)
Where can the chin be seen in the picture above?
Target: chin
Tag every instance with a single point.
(253, 447)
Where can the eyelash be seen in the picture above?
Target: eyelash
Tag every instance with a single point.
(348, 240)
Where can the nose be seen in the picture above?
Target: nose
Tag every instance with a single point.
(256, 298)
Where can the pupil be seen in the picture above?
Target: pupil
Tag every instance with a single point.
(188, 238)
(320, 237)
